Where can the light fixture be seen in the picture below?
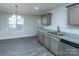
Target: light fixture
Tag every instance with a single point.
(16, 16)
(36, 8)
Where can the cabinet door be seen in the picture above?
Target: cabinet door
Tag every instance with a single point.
(46, 41)
(46, 19)
(54, 45)
(40, 37)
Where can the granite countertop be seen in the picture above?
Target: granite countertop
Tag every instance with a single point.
(66, 37)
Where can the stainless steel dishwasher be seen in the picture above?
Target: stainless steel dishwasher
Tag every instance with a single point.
(68, 48)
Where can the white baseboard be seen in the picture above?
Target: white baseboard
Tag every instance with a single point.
(11, 37)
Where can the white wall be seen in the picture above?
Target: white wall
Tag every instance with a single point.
(29, 27)
(59, 18)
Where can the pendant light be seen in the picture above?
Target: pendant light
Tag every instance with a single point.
(16, 16)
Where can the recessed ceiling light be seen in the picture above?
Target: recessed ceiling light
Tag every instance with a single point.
(36, 8)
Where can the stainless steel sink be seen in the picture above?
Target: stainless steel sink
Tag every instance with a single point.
(56, 33)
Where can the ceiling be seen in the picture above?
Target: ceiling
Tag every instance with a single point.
(27, 8)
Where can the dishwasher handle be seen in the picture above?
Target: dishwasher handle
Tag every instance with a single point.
(70, 43)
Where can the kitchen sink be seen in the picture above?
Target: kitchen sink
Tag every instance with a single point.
(56, 33)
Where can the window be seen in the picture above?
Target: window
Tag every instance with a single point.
(16, 23)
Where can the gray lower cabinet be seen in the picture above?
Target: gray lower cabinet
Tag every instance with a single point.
(40, 37)
(54, 45)
(46, 40)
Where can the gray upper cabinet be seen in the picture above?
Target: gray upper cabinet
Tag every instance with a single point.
(46, 19)
(73, 14)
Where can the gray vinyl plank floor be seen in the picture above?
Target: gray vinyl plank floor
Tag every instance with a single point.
(23, 47)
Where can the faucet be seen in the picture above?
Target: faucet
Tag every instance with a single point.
(58, 30)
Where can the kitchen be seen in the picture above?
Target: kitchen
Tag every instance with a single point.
(61, 38)
(43, 29)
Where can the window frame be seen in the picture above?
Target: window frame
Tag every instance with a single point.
(16, 28)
